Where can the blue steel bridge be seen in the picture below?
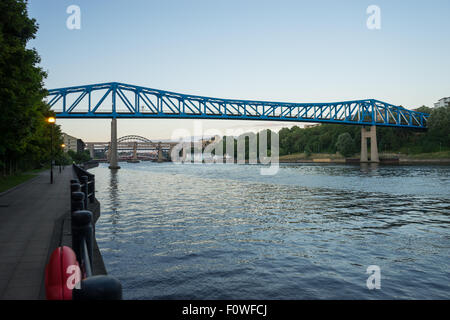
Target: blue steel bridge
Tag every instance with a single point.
(118, 100)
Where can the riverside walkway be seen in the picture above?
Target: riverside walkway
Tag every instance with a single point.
(28, 215)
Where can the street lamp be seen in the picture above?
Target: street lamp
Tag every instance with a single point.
(62, 146)
(52, 121)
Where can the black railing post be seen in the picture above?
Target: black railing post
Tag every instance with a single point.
(76, 201)
(98, 287)
(82, 230)
(101, 287)
(74, 186)
(85, 189)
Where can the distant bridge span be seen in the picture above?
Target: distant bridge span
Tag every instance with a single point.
(131, 143)
(133, 138)
(119, 100)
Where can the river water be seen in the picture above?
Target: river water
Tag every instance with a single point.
(224, 231)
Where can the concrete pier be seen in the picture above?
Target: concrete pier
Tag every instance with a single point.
(91, 151)
(108, 153)
(372, 135)
(160, 154)
(135, 151)
(113, 164)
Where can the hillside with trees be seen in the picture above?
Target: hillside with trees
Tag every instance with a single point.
(346, 139)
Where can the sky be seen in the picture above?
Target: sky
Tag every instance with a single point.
(293, 51)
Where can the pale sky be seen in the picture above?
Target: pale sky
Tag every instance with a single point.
(295, 51)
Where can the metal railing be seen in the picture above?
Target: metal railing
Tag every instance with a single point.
(87, 184)
(92, 287)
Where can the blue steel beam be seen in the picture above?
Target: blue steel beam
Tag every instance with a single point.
(154, 103)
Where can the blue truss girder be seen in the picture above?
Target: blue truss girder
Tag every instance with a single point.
(141, 102)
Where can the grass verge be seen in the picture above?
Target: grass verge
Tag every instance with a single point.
(9, 182)
(303, 156)
(431, 155)
(419, 156)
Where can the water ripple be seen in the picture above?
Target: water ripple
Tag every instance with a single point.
(225, 232)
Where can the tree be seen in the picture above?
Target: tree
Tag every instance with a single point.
(23, 130)
(79, 157)
(439, 126)
(344, 144)
(424, 109)
(308, 150)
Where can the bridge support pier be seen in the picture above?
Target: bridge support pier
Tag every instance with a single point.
(170, 152)
(108, 152)
(91, 151)
(372, 135)
(135, 151)
(113, 150)
(183, 153)
(160, 154)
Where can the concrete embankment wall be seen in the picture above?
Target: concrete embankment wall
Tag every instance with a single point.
(382, 161)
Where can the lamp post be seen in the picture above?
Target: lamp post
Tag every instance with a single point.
(52, 121)
(60, 160)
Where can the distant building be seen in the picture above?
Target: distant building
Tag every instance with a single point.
(72, 143)
(80, 145)
(311, 125)
(442, 102)
(69, 142)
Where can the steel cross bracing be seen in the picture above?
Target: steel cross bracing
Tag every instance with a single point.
(118, 100)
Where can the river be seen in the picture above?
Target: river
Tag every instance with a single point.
(223, 231)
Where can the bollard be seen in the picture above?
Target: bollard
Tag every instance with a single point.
(76, 201)
(82, 230)
(74, 187)
(92, 198)
(100, 287)
(84, 188)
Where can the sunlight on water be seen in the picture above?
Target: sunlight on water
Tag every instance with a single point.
(197, 231)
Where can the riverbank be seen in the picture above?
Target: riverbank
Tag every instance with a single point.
(421, 158)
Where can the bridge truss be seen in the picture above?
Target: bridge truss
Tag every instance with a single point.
(119, 100)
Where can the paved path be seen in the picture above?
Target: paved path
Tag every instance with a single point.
(27, 219)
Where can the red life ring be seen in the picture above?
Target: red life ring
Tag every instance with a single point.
(62, 273)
